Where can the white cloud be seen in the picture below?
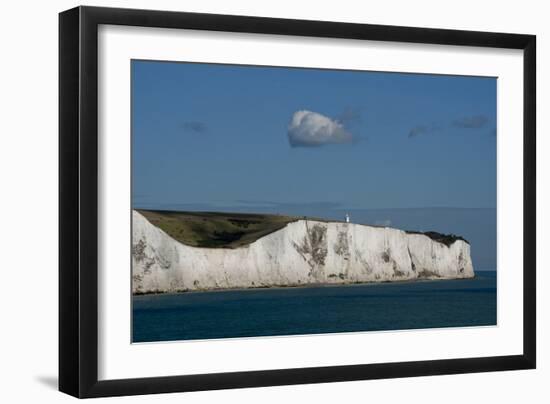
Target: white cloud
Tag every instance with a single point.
(307, 129)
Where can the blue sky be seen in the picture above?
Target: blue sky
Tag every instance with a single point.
(219, 137)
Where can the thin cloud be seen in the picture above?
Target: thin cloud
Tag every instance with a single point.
(385, 223)
(195, 126)
(311, 129)
(464, 123)
(471, 122)
(289, 205)
(423, 130)
(350, 116)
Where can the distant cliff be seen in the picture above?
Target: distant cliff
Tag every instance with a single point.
(303, 252)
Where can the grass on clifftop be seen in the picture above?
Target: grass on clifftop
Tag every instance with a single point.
(447, 239)
(216, 230)
(233, 230)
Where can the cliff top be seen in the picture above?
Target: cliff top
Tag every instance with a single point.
(446, 239)
(233, 230)
(216, 229)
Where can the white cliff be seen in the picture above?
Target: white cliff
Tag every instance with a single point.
(304, 252)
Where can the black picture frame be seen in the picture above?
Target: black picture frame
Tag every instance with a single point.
(78, 201)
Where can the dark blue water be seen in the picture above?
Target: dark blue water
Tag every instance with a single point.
(312, 310)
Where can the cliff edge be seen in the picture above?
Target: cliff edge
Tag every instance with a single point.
(303, 252)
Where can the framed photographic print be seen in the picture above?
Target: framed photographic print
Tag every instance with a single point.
(251, 201)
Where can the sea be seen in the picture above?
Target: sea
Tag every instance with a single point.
(316, 309)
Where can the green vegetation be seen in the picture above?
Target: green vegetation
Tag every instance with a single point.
(214, 229)
(232, 230)
(446, 239)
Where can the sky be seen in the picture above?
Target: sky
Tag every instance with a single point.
(383, 146)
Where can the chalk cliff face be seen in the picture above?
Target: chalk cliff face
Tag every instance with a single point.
(304, 252)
